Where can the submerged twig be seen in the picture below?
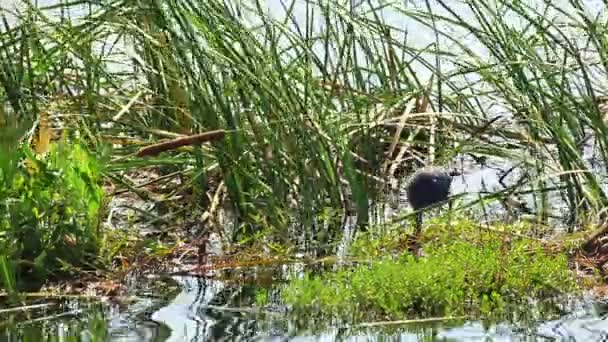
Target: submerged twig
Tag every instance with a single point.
(52, 317)
(241, 310)
(26, 307)
(412, 321)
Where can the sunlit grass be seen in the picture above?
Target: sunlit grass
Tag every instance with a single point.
(465, 271)
(50, 216)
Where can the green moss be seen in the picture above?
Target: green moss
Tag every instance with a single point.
(483, 273)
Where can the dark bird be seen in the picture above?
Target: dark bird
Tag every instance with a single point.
(426, 188)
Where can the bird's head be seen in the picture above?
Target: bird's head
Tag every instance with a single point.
(442, 177)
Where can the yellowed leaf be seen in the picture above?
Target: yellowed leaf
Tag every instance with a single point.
(42, 141)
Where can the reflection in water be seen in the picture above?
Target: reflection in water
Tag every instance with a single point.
(212, 310)
(196, 315)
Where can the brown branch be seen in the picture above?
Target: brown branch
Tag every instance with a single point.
(152, 150)
(593, 241)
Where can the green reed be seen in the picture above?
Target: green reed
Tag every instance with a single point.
(303, 94)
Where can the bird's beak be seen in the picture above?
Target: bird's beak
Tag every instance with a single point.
(454, 173)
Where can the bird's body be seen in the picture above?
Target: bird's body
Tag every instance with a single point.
(426, 188)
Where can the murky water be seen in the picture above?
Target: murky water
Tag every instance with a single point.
(193, 316)
(210, 310)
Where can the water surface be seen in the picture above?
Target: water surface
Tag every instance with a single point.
(210, 310)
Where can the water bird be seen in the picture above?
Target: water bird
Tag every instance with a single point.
(426, 188)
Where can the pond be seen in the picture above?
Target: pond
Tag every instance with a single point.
(207, 309)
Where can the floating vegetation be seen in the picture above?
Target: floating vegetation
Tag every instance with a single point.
(485, 274)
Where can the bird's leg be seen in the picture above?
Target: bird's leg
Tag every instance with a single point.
(417, 233)
(418, 225)
(449, 214)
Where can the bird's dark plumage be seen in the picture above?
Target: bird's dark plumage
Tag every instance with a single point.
(426, 188)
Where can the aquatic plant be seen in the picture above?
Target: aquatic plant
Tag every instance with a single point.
(322, 103)
(88, 322)
(50, 213)
(482, 274)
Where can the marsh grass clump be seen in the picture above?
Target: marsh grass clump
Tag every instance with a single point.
(316, 116)
(322, 116)
(456, 277)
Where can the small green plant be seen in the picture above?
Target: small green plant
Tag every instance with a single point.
(261, 297)
(456, 277)
(8, 278)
